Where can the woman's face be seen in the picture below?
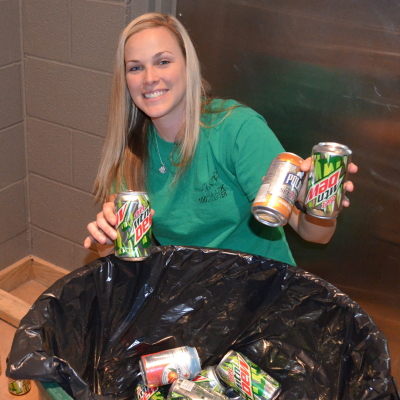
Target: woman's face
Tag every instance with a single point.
(156, 74)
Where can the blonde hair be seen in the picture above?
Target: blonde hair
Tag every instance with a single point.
(125, 154)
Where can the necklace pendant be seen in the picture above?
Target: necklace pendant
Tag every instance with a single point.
(162, 169)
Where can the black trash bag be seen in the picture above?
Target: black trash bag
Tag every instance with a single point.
(89, 330)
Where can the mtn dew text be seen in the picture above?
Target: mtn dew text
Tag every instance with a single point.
(134, 233)
(328, 173)
(238, 372)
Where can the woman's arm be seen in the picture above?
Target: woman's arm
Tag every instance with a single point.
(311, 228)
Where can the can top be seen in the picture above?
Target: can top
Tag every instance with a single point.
(333, 147)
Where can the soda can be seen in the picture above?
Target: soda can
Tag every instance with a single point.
(144, 393)
(186, 389)
(19, 387)
(134, 232)
(232, 394)
(165, 367)
(209, 380)
(238, 372)
(279, 190)
(328, 173)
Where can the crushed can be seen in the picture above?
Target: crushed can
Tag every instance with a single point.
(167, 366)
(209, 380)
(185, 389)
(241, 374)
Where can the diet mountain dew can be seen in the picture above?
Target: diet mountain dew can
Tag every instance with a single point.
(144, 393)
(326, 178)
(19, 387)
(238, 372)
(165, 367)
(134, 234)
(209, 380)
(183, 389)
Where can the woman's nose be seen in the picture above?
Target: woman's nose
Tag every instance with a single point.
(151, 76)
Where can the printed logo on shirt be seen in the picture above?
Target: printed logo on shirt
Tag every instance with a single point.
(212, 190)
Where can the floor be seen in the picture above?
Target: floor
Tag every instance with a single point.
(384, 313)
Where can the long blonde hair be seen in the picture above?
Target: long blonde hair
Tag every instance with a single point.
(125, 153)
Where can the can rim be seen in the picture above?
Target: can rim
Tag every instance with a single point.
(335, 147)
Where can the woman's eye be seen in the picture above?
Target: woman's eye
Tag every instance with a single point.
(164, 62)
(135, 68)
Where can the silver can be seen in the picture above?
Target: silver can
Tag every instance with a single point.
(190, 390)
(165, 367)
(134, 233)
(209, 380)
(241, 374)
(328, 173)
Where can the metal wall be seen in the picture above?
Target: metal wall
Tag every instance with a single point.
(320, 71)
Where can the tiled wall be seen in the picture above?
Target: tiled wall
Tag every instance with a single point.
(14, 227)
(54, 103)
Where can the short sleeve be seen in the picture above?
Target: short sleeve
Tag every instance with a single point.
(255, 148)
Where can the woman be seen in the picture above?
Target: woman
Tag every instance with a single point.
(201, 160)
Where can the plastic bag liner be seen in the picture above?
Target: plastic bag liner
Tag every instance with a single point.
(89, 330)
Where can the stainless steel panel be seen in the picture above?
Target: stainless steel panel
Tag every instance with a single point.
(320, 71)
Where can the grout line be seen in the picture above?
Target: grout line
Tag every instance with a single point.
(64, 126)
(24, 116)
(65, 64)
(12, 238)
(14, 63)
(62, 184)
(22, 180)
(70, 31)
(11, 126)
(62, 238)
(111, 3)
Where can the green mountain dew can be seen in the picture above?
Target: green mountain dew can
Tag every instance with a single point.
(134, 233)
(19, 387)
(328, 173)
(209, 380)
(183, 389)
(238, 372)
(145, 393)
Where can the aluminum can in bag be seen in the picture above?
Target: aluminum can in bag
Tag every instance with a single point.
(134, 233)
(186, 389)
(238, 372)
(165, 367)
(326, 178)
(232, 394)
(144, 393)
(208, 379)
(19, 387)
(279, 190)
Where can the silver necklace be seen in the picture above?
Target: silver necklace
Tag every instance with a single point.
(163, 168)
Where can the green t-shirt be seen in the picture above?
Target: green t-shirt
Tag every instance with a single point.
(210, 206)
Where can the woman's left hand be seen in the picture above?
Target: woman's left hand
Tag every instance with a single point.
(348, 186)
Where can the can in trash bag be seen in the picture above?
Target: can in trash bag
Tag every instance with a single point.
(328, 173)
(232, 394)
(208, 379)
(144, 393)
(133, 226)
(183, 388)
(165, 367)
(238, 372)
(279, 190)
(19, 387)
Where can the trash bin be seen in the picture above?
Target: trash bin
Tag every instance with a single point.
(88, 331)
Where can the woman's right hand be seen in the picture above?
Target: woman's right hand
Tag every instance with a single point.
(102, 230)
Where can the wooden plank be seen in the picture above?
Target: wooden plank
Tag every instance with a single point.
(16, 274)
(12, 309)
(45, 272)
